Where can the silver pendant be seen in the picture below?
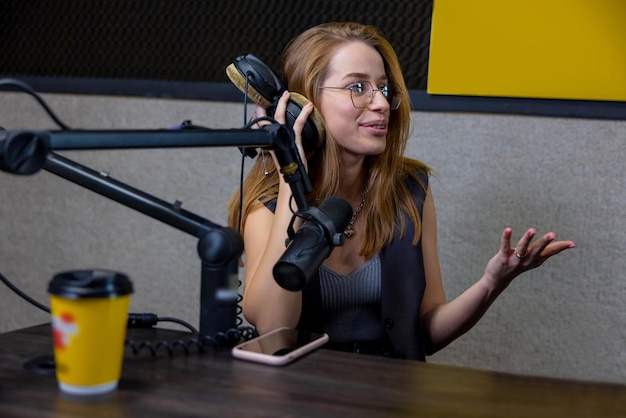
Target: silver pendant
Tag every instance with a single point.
(348, 232)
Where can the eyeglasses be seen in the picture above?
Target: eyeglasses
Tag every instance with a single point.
(362, 93)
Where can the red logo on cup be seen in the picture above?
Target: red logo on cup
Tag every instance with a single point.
(63, 328)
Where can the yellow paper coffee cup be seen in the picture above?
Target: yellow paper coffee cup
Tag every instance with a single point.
(89, 317)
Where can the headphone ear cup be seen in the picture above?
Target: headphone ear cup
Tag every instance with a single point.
(265, 89)
(264, 86)
(239, 81)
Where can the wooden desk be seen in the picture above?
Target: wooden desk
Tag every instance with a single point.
(325, 383)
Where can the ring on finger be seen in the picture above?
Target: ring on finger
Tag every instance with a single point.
(518, 255)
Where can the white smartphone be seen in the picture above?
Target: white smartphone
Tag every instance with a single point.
(279, 347)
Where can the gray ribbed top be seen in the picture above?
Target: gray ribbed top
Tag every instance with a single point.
(351, 303)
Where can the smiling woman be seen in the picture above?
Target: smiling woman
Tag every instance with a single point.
(380, 292)
(354, 65)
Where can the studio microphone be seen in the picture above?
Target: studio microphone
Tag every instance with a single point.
(312, 243)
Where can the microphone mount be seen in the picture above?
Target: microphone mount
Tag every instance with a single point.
(291, 166)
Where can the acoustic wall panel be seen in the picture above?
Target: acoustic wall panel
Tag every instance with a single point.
(186, 40)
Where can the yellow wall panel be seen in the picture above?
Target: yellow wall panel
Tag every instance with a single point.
(556, 49)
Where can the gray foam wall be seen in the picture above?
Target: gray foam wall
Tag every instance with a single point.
(565, 319)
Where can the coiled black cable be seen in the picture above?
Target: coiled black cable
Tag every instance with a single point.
(147, 320)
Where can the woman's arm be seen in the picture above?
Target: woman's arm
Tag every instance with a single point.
(444, 322)
(265, 304)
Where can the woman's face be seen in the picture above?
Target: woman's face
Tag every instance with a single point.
(358, 131)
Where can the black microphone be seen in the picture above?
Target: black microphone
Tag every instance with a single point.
(312, 243)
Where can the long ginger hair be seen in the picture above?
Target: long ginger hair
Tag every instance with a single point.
(304, 65)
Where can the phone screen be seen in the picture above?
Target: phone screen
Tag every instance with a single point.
(280, 342)
(279, 346)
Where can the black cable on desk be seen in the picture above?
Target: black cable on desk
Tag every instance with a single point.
(149, 320)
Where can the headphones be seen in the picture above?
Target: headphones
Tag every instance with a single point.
(265, 89)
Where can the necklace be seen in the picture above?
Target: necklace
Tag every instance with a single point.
(349, 231)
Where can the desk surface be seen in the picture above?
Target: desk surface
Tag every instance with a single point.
(324, 383)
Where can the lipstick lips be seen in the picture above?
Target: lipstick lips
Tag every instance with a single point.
(376, 127)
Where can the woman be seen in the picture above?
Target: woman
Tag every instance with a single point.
(381, 292)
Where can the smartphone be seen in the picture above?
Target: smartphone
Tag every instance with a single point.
(279, 347)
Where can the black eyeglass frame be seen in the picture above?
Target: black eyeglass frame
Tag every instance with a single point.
(372, 91)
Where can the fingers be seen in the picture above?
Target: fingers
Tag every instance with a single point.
(281, 108)
(543, 242)
(543, 248)
(298, 124)
(259, 112)
(555, 247)
(510, 262)
(302, 117)
(505, 241)
(523, 246)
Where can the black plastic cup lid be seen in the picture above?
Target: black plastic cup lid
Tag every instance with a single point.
(96, 283)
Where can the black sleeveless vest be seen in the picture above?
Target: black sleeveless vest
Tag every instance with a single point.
(402, 287)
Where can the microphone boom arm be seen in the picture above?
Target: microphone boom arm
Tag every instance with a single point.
(219, 248)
